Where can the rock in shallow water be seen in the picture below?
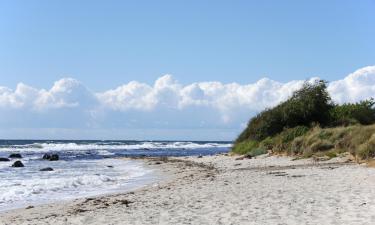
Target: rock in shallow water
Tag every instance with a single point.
(17, 164)
(53, 157)
(46, 156)
(46, 169)
(4, 160)
(15, 155)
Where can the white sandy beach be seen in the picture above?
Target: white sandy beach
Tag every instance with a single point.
(222, 190)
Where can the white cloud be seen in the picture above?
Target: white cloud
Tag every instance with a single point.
(227, 99)
(356, 86)
(167, 102)
(65, 93)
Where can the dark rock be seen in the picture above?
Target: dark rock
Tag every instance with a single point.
(247, 156)
(17, 164)
(110, 166)
(4, 160)
(200, 156)
(125, 202)
(54, 157)
(15, 155)
(46, 169)
(46, 156)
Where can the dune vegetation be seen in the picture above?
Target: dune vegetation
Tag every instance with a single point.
(309, 124)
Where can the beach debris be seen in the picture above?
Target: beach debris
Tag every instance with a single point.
(278, 173)
(17, 164)
(157, 163)
(46, 169)
(15, 156)
(297, 176)
(247, 156)
(330, 167)
(321, 158)
(29, 207)
(200, 156)
(110, 166)
(78, 210)
(123, 202)
(53, 157)
(4, 160)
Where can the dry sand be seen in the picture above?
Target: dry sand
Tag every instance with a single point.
(222, 190)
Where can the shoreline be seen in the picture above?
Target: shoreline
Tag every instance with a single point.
(222, 190)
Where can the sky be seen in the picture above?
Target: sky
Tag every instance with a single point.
(176, 70)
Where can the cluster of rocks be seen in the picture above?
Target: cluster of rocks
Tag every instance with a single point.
(18, 163)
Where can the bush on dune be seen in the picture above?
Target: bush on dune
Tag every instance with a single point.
(310, 104)
(309, 123)
(362, 112)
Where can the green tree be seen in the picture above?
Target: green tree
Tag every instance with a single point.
(310, 104)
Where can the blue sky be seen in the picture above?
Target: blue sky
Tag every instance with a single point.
(106, 44)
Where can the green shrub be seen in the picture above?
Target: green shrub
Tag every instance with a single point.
(267, 143)
(331, 154)
(257, 151)
(362, 112)
(290, 134)
(310, 104)
(245, 147)
(310, 123)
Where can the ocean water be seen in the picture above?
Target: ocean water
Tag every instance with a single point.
(85, 168)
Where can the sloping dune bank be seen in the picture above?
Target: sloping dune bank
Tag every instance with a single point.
(223, 190)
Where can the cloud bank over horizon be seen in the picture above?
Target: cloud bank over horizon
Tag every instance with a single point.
(166, 104)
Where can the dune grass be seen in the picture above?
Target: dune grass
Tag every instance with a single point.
(359, 140)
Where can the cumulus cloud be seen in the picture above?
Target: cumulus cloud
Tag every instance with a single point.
(168, 103)
(356, 86)
(227, 99)
(65, 93)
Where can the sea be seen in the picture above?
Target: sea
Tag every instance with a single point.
(85, 167)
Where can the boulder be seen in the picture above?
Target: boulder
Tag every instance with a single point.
(4, 160)
(46, 156)
(15, 156)
(54, 157)
(46, 169)
(17, 164)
